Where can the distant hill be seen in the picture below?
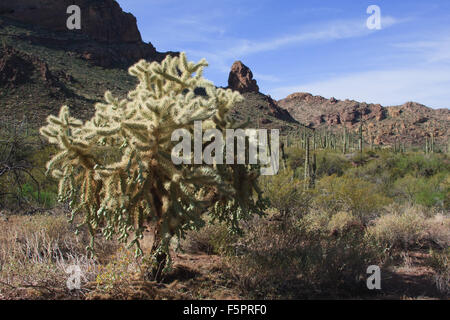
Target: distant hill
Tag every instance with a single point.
(409, 123)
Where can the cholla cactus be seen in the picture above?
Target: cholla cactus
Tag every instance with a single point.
(116, 168)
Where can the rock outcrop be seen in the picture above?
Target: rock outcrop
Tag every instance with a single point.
(241, 78)
(17, 68)
(108, 36)
(100, 20)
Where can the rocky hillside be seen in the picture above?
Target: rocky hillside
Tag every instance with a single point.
(410, 123)
(108, 37)
(43, 65)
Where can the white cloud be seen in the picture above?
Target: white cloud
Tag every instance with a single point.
(428, 86)
(334, 30)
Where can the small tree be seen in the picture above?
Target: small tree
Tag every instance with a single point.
(17, 167)
(116, 168)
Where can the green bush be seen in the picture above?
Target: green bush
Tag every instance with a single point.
(46, 199)
(329, 163)
(359, 197)
(286, 193)
(295, 157)
(416, 164)
(25, 183)
(428, 191)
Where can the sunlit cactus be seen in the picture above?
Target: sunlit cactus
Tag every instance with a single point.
(116, 168)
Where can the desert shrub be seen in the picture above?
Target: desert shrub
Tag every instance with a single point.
(316, 222)
(35, 253)
(430, 192)
(211, 239)
(439, 261)
(360, 158)
(44, 198)
(386, 168)
(415, 164)
(121, 269)
(287, 194)
(23, 154)
(374, 173)
(17, 145)
(438, 230)
(402, 228)
(303, 260)
(359, 197)
(342, 221)
(406, 188)
(329, 163)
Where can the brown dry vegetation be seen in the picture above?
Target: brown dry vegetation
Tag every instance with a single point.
(319, 257)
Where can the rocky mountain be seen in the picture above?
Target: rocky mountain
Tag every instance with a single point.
(409, 123)
(108, 36)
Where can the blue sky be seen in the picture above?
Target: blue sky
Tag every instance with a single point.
(319, 46)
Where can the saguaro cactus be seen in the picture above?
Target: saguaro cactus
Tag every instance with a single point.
(307, 171)
(344, 141)
(432, 142)
(136, 183)
(360, 137)
(314, 171)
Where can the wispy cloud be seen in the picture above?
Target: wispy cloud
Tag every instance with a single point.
(221, 53)
(335, 30)
(432, 51)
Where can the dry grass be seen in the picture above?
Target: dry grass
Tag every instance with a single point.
(35, 253)
(320, 255)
